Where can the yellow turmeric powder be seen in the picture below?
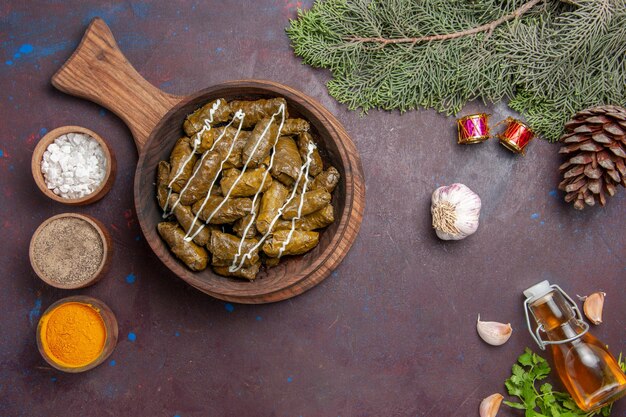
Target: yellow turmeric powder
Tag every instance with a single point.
(73, 334)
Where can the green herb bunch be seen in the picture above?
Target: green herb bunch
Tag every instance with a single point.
(549, 58)
(543, 402)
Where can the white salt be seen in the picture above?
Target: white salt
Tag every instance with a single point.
(74, 165)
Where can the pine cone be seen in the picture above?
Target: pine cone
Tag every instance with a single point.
(595, 142)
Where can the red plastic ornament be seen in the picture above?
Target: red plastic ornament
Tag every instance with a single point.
(516, 136)
(473, 128)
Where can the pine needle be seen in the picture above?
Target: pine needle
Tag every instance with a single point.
(551, 61)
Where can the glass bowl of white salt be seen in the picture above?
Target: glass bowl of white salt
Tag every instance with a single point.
(73, 165)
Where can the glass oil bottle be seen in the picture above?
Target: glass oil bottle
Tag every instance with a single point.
(587, 369)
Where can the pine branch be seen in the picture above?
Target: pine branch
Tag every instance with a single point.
(549, 62)
(489, 28)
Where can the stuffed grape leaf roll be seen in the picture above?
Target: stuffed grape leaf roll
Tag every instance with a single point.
(233, 209)
(182, 161)
(317, 220)
(194, 256)
(249, 273)
(294, 126)
(272, 200)
(312, 201)
(196, 120)
(247, 183)
(185, 218)
(260, 143)
(327, 180)
(208, 137)
(225, 247)
(221, 141)
(304, 139)
(286, 166)
(242, 224)
(257, 110)
(204, 172)
(298, 242)
(163, 177)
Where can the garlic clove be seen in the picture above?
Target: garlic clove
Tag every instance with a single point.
(593, 307)
(492, 332)
(489, 406)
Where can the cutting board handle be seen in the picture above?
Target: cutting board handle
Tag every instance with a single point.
(98, 71)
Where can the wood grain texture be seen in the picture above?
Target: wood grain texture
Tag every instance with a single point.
(99, 72)
(109, 176)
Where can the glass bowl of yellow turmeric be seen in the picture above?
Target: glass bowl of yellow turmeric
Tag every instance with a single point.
(77, 333)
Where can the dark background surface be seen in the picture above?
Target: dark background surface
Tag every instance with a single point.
(390, 333)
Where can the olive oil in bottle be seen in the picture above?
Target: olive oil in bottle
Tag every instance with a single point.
(587, 369)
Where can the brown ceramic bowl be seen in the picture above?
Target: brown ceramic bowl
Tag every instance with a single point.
(50, 137)
(106, 251)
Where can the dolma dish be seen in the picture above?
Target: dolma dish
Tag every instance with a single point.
(244, 187)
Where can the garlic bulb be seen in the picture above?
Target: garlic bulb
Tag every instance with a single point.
(492, 332)
(489, 406)
(455, 209)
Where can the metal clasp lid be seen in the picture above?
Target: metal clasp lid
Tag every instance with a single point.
(537, 291)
